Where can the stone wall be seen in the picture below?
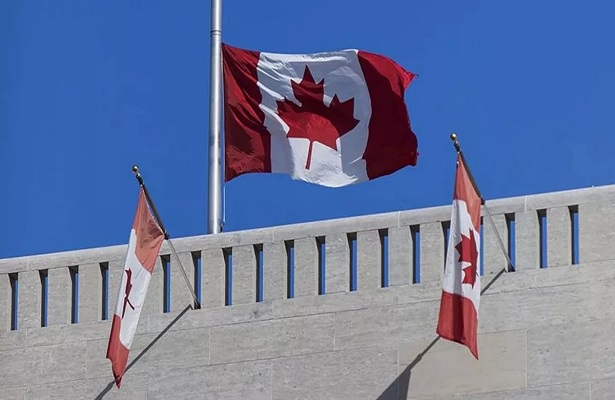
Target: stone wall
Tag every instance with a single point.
(339, 309)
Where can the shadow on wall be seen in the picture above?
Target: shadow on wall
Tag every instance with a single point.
(398, 389)
(110, 385)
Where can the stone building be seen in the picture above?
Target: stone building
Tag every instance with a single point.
(339, 309)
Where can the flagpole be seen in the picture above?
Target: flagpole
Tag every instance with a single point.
(135, 170)
(509, 266)
(214, 222)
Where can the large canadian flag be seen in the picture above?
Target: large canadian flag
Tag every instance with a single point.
(143, 246)
(332, 119)
(458, 319)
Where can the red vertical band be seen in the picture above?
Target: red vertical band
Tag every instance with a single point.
(391, 144)
(458, 321)
(247, 141)
(116, 352)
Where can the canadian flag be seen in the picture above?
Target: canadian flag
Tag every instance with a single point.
(332, 119)
(145, 240)
(458, 319)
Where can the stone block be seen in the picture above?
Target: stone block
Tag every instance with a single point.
(275, 271)
(66, 334)
(602, 389)
(236, 381)
(550, 305)
(432, 252)
(149, 352)
(90, 292)
(269, 339)
(244, 274)
(527, 241)
(213, 270)
(559, 392)
(336, 226)
(223, 240)
(207, 317)
(60, 296)
(180, 290)
(368, 327)
(134, 386)
(306, 267)
(494, 259)
(42, 365)
(426, 291)
(570, 353)
(423, 215)
(12, 340)
(29, 309)
(6, 294)
(559, 237)
(596, 233)
(338, 263)
(570, 274)
(351, 374)
(17, 393)
(369, 260)
(154, 299)
(334, 302)
(400, 256)
(501, 366)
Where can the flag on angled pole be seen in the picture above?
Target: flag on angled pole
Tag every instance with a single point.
(332, 119)
(146, 237)
(461, 289)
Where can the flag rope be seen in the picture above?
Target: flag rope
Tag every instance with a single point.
(509, 267)
(135, 170)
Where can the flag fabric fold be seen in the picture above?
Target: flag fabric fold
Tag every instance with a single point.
(144, 243)
(332, 118)
(458, 316)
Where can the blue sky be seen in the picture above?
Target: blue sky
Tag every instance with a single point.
(89, 88)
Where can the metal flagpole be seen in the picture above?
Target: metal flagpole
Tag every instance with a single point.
(135, 169)
(509, 266)
(214, 222)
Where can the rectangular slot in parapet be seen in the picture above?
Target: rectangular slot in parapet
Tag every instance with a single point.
(43, 274)
(74, 303)
(574, 220)
(320, 244)
(196, 263)
(290, 268)
(415, 233)
(258, 252)
(104, 277)
(510, 226)
(384, 257)
(542, 226)
(446, 231)
(166, 283)
(482, 247)
(228, 276)
(14, 281)
(352, 246)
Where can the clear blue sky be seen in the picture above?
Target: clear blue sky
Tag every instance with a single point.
(89, 88)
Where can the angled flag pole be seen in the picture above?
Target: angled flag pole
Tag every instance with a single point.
(509, 267)
(135, 170)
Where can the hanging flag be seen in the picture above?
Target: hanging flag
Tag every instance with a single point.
(332, 119)
(145, 240)
(458, 320)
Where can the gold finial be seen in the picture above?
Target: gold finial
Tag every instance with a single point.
(135, 169)
(454, 137)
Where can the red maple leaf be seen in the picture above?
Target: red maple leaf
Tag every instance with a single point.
(468, 253)
(312, 119)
